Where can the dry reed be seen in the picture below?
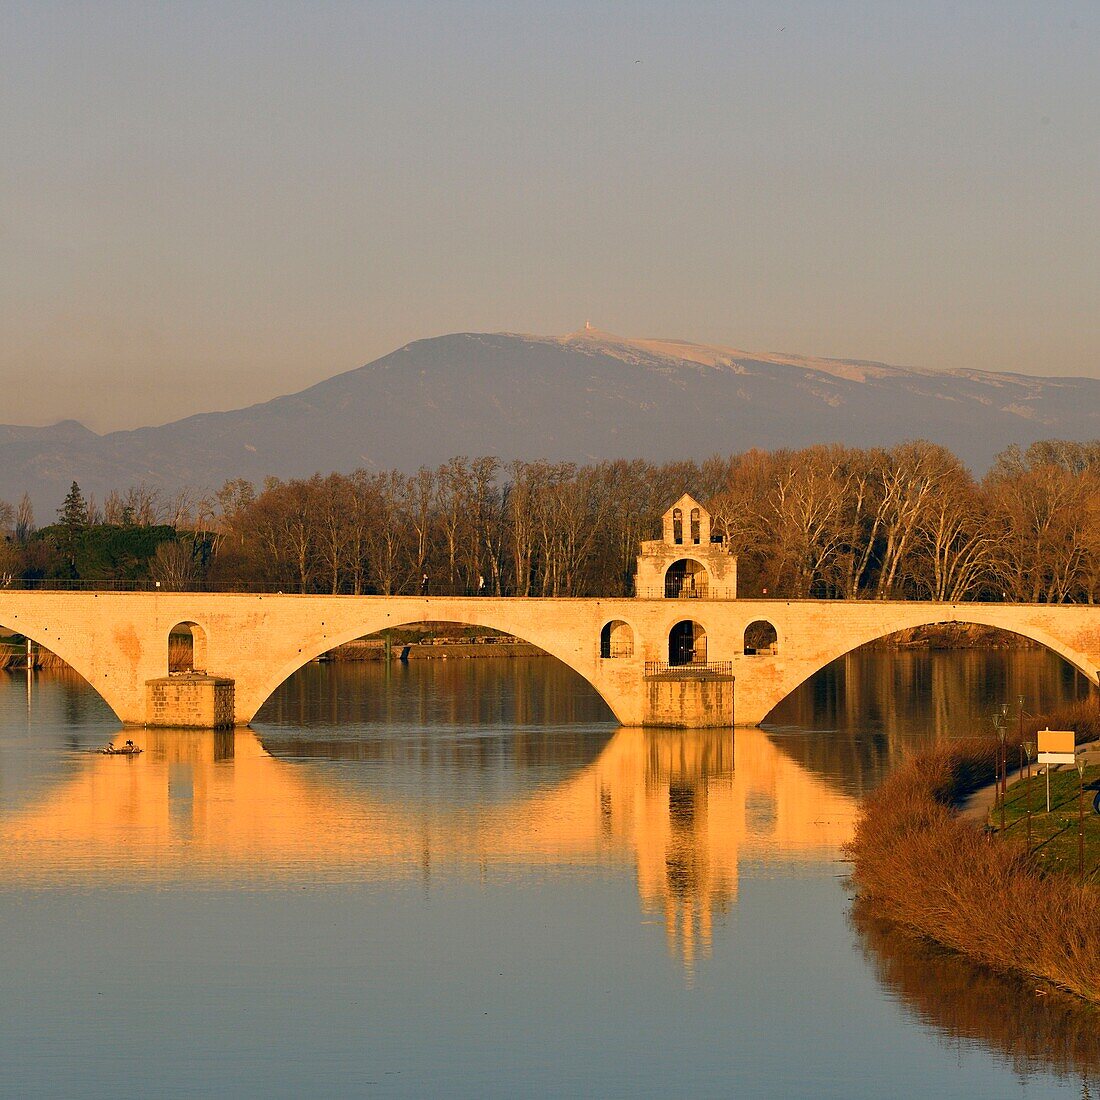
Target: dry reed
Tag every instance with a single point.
(180, 655)
(920, 866)
(16, 658)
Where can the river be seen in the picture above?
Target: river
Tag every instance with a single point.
(460, 878)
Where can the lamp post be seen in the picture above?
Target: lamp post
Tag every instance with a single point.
(1029, 749)
(999, 726)
(1081, 817)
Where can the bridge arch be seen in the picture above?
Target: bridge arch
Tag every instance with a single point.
(75, 655)
(795, 672)
(585, 662)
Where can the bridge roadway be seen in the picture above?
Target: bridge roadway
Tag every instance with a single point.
(118, 641)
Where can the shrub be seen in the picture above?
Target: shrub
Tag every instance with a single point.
(920, 866)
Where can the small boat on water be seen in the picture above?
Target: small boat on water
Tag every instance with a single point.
(129, 749)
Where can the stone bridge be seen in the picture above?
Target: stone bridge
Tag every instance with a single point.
(656, 662)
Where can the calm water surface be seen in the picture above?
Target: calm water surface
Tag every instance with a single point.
(461, 878)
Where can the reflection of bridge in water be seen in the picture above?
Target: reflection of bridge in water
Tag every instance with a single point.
(683, 807)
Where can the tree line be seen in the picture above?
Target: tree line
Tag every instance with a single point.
(905, 522)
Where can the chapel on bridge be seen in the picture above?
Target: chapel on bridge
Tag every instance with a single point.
(689, 561)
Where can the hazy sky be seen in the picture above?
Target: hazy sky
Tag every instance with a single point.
(205, 205)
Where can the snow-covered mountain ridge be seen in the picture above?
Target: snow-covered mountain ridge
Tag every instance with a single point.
(582, 397)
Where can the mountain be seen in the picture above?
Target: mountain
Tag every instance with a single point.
(585, 396)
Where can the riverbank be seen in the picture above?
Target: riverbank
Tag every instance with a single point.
(14, 658)
(374, 649)
(937, 636)
(932, 871)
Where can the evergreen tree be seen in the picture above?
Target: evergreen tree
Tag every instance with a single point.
(73, 513)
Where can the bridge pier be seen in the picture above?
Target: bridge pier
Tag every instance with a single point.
(190, 700)
(682, 698)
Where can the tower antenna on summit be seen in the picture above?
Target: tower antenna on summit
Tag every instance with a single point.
(588, 326)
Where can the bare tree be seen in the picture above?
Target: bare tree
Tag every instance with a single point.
(141, 505)
(807, 502)
(24, 519)
(173, 566)
(419, 506)
(454, 497)
(387, 534)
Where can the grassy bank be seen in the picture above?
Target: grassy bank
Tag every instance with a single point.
(1054, 836)
(920, 866)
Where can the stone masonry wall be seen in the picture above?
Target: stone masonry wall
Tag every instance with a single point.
(190, 701)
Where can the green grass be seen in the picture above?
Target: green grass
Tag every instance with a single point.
(1054, 836)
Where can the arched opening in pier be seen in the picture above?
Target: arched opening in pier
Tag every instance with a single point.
(761, 638)
(186, 648)
(687, 644)
(686, 579)
(616, 640)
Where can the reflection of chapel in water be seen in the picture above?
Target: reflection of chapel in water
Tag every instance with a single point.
(683, 872)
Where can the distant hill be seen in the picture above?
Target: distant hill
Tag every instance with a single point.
(581, 397)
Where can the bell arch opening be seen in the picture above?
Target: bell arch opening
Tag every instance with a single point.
(186, 648)
(686, 579)
(616, 640)
(761, 638)
(687, 644)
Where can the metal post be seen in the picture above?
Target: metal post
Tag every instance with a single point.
(1002, 762)
(1081, 818)
(1047, 770)
(1021, 776)
(1003, 792)
(1029, 748)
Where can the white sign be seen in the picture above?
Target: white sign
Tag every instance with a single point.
(1057, 747)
